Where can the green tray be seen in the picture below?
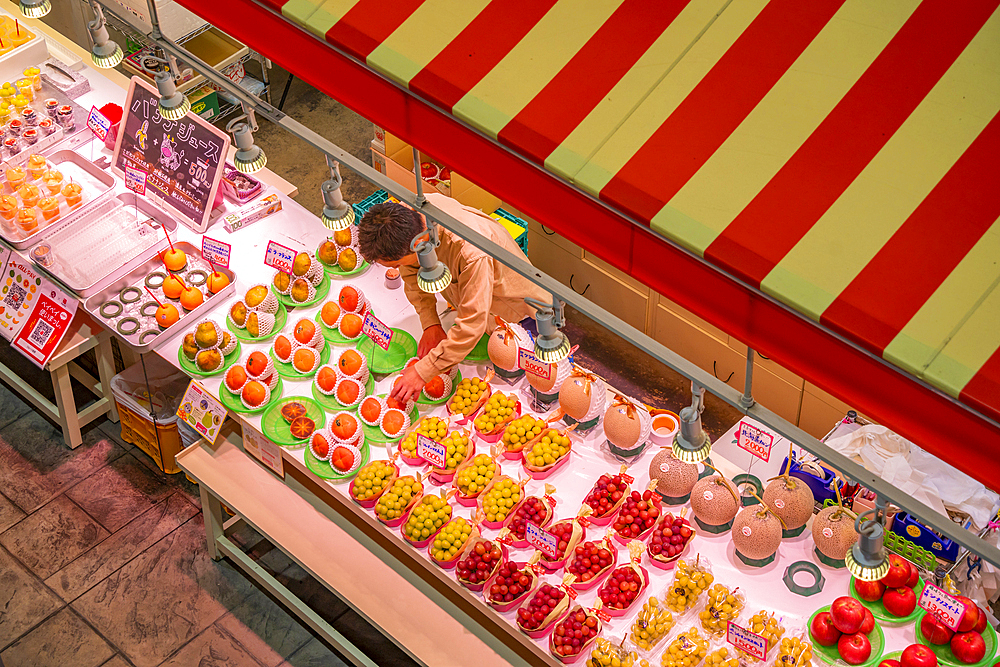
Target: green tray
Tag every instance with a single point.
(423, 400)
(336, 272)
(286, 370)
(401, 349)
(325, 470)
(274, 426)
(333, 335)
(375, 434)
(279, 323)
(878, 609)
(234, 404)
(333, 405)
(321, 292)
(479, 353)
(944, 653)
(190, 368)
(830, 655)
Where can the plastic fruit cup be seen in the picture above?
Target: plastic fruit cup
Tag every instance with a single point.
(29, 194)
(35, 75)
(27, 219)
(37, 166)
(73, 194)
(8, 207)
(19, 37)
(50, 208)
(19, 102)
(53, 181)
(26, 88)
(15, 177)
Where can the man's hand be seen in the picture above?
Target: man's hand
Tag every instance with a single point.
(432, 336)
(409, 386)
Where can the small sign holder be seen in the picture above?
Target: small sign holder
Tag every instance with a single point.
(202, 411)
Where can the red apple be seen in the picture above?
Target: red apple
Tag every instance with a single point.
(900, 601)
(981, 623)
(914, 575)
(869, 590)
(968, 647)
(889, 663)
(823, 631)
(428, 170)
(918, 655)
(934, 630)
(868, 624)
(854, 649)
(899, 572)
(971, 616)
(848, 614)
(445, 174)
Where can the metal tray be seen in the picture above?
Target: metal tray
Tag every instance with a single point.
(136, 278)
(96, 184)
(115, 236)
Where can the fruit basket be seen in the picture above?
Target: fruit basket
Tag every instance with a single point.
(535, 623)
(322, 290)
(280, 318)
(429, 425)
(402, 347)
(629, 519)
(446, 475)
(471, 402)
(516, 438)
(878, 609)
(569, 532)
(578, 619)
(288, 370)
(467, 483)
(456, 530)
(430, 506)
(490, 427)
(479, 550)
(325, 469)
(332, 404)
(424, 399)
(375, 434)
(667, 562)
(531, 506)
(332, 333)
(559, 442)
(277, 427)
(945, 654)
(604, 550)
(234, 404)
(492, 501)
(616, 601)
(830, 654)
(510, 574)
(389, 510)
(362, 477)
(607, 496)
(190, 368)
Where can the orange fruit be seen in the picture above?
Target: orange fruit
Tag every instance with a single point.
(191, 298)
(320, 446)
(342, 459)
(350, 326)
(236, 377)
(435, 387)
(348, 392)
(282, 347)
(411, 362)
(370, 409)
(391, 402)
(349, 298)
(350, 362)
(393, 421)
(302, 427)
(344, 426)
(326, 378)
(304, 359)
(330, 313)
(304, 331)
(291, 411)
(256, 363)
(254, 393)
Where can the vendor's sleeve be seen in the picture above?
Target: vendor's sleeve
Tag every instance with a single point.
(475, 289)
(425, 304)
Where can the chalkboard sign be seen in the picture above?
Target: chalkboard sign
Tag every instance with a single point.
(182, 158)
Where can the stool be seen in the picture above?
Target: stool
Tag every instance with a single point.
(84, 334)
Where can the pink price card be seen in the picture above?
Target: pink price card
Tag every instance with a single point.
(378, 331)
(98, 123)
(755, 441)
(135, 180)
(217, 252)
(279, 256)
(541, 539)
(941, 604)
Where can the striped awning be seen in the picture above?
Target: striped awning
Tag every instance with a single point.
(840, 156)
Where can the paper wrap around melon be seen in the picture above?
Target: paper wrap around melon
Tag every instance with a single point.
(627, 423)
(504, 343)
(583, 395)
(558, 372)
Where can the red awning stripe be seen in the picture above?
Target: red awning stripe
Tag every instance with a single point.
(717, 105)
(468, 58)
(982, 391)
(368, 23)
(893, 286)
(591, 74)
(848, 138)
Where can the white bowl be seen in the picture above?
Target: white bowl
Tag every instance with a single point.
(665, 427)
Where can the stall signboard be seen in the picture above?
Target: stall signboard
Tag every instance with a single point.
(202, 411)
(183, 158)
(20, 292)
(217, 252)
(431, 451)
(755, 440)
(378, 331)
(98, 123)
(279, 256)
(529, 362)
(944, 606)
(135, 180)
(263, 449)
(541, 539)
(749, 642)
(46, 325)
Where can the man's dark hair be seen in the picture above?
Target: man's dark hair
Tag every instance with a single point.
(385, 232)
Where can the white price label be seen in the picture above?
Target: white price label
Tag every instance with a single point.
(755, 441)
(263, 449)
(746, 641)
(279, 257)
(431, 451)
(98, 123)
(946, 607)
(530, 363)
(541, 539)
(378, 331)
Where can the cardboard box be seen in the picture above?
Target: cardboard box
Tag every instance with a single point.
(205, 102)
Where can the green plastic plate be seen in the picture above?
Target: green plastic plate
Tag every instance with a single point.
(375, 434)
(279, 323)
(334, 336)
(234, 404)
(878, 609)
(336, 272)
(423, 400)
(326, 471)
(274, 426)
(944, 653)
(321, 292)
(479, 353)
(401, 349)
(829, 654)
(333, 405)
(286, 370)
(189, 367)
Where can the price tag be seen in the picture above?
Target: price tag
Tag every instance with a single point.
(529, 362)
(946, 607)
(98, 123)
(541, 539)
(217, 252)
(755, 441)
(135, 180)
(375, 329)
(46, 325)
(431, 451)
(279, 257)
(202, 411)
(263, 449)
(746, 641)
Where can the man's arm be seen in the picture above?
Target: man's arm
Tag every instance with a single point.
(425, 304)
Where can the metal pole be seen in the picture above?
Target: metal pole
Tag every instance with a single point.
(421, 199)
(746, 400)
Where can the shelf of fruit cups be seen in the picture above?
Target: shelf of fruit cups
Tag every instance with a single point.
(27, 119)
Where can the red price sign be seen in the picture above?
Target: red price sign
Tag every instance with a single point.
(45, 327)
(279, 257)
(98, 123)
(946, 607)
(755, 441)
(217, 252)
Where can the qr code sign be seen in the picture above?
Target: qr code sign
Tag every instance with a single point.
(40, 334)
(15, 296)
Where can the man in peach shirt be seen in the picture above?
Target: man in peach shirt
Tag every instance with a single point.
(481, 287)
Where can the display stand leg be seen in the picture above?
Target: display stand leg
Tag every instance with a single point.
(68, 418)
(106, 371)
(214, 522)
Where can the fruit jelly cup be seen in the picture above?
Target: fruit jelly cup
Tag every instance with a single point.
(542, 474)
(545, 629)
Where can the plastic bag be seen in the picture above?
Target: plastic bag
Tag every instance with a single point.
(767, 625)
(721, 606)
(688, 649)
(691, 579)
(652, 625)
